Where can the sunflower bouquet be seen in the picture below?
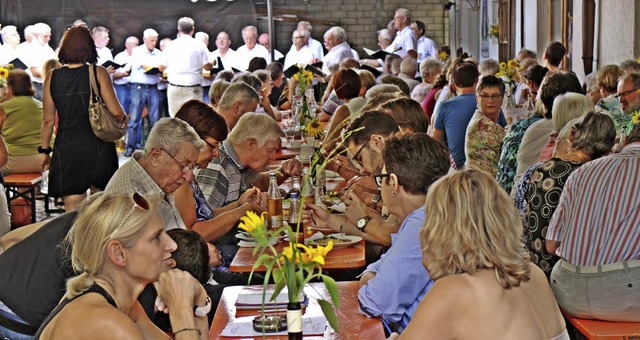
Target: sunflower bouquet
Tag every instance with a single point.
(304, 78)
(508, 72)
(293, 267)
(4, 74)
(494, 31)
(314, 129)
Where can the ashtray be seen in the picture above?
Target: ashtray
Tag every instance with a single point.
(270, 323)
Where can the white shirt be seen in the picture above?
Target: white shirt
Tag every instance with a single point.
(142, 56)
(304, 56)
(337, 54)
(228, 60)
(184, 58)
(244, 56)
(426, 48)
(104, 54)
(406, 40)
(35, 55)
(316, 48)
(277, 55)
(7, 53)
(123, 58)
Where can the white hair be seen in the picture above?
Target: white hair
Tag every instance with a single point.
(149, 32)
(40, 28)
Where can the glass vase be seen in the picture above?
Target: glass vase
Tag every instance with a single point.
(294, 320)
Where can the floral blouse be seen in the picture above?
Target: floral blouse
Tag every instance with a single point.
(508, 163)
(543, 196)
(482, 143)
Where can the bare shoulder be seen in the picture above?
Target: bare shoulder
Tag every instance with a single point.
(98, 318)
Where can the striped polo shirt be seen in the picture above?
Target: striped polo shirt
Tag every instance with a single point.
(598, 219)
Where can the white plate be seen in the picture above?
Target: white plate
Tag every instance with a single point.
(345, 240)
(245, 236)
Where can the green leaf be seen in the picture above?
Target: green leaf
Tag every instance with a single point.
(279, 287)
(332, 287)
(329, 313)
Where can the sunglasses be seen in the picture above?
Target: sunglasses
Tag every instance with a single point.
(379, 177)
(355, 155)
(138, 201)
(185, 168)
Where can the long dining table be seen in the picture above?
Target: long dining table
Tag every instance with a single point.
(352, 257)
(351, 323)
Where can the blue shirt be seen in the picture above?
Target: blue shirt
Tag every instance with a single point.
(453, 118)
(401, 280)
(141, 55)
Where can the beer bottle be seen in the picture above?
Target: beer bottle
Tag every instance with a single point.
(274, 203)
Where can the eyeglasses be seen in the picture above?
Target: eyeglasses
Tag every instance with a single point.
(138, 201)
(185, 168)
(492, 97)
(211, 146)
(355, 155)
(624, 94)
(379, 177)
(294, 38)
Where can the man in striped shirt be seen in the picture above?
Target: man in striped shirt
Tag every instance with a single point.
(595, 230)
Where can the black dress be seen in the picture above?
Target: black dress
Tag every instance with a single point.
(80, 159)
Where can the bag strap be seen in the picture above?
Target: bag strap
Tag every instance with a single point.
(95, 86)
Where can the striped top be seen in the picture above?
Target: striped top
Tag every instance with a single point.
(598, 219)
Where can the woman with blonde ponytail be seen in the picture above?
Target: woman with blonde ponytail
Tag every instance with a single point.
(485, 287)
(119, 245)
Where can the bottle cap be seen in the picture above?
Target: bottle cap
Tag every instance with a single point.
(294, 195)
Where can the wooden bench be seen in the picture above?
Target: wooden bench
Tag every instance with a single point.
(597, 329)
(15, 185)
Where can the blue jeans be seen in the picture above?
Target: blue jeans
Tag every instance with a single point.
(205, 93)
(7, 334)
(142, 95)
(123, 92)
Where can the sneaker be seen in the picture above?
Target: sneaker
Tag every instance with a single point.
(128, 153)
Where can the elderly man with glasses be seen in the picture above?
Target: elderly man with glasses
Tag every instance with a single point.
(300, 53)
(629, 93)
(168, 160)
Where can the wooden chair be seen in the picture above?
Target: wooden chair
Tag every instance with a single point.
(597, 329)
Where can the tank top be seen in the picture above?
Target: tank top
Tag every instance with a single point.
(93, 289)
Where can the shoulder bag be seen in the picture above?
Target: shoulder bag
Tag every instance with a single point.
(103, 122)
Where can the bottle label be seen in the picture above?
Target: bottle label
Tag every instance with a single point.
(276, 222)
(294, 321)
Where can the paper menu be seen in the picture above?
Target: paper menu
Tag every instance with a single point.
(243, 326)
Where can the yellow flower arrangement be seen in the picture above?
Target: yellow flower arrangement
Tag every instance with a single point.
(304, 78)
(443, 56)
(494, 31)
(295, 266)
(314, 129)
(508, 71)
(4, 74)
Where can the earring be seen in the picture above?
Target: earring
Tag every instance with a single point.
(394, 193)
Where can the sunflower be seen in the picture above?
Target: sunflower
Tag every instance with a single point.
(443, 56)
(251, 221)
(636, 117)
(4, 73)
(315, 129)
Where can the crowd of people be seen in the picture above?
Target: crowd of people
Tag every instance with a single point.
(475, 226)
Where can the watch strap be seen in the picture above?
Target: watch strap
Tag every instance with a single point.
(204, 310)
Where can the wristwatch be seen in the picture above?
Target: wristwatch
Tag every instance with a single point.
(204, 310)
(44, 151)
(362, 223)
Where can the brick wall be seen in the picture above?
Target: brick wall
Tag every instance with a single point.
(360, 18)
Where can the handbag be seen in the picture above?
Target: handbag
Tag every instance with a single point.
(104, 124)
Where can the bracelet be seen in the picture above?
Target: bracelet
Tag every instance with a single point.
(188, 329)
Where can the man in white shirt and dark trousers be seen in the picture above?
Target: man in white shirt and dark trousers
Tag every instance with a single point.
(36, 53)
(426, 46)
(184, 60)
(144, 87)
(121, 81)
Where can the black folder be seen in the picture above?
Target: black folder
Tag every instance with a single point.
(18, 64)
(375, 71)
(152, 71)
(112, 64)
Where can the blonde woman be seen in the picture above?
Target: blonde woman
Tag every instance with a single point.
(119, 245)
(485, 287)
